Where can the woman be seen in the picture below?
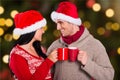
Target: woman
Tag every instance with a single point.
(27, 61)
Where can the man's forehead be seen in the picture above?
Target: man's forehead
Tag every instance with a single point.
(60, 21)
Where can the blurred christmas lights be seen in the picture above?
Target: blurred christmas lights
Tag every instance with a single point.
(118, 50)
(115, 27)
(1, 10)
(8, 37)
(5, 58)
(108, 25)
(13, 13)
(90, 3)
(109, 13)
(87, 24)
(2, 21)
(15, 37)
(1, 31)
(9, 22)
(101, 31)
(96, 7)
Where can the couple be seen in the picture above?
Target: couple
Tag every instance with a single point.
(28, 62)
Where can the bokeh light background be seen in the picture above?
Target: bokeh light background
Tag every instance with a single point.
(101, 17)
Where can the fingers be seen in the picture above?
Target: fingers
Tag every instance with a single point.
(53, 56)
(82, 57)
(54, 53)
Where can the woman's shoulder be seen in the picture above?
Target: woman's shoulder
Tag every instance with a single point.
(15, 49)
(18, 50)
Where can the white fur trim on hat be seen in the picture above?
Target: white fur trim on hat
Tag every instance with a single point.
(30, 28)
(55, 15)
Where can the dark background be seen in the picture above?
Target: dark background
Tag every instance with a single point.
(106, 29)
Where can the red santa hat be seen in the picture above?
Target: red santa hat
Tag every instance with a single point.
(28, 21)
(66, 11)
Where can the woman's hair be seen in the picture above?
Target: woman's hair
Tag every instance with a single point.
(26, 38)
(38, 49)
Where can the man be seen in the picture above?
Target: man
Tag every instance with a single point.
(92, 61)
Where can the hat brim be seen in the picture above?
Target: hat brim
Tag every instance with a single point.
(55, 16)
(30, 28)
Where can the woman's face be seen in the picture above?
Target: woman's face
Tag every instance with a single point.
(38, 34)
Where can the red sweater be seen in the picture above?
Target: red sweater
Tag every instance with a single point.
(28, 67)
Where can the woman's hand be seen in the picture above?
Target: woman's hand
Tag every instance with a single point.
(53, 56)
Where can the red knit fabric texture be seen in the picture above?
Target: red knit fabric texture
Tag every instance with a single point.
(73, 38)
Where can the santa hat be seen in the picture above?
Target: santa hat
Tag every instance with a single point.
(66, 11)
(28, 21)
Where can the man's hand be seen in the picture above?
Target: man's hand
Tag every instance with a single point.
(82, 57)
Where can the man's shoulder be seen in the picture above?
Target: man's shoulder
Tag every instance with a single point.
(56, 41)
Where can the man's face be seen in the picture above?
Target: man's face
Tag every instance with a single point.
(65, 28)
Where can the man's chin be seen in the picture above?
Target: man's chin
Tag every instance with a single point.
(64, 35)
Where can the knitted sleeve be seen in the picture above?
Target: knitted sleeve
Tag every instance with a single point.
(20, 68)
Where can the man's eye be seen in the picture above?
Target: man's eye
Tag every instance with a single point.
(60, 22)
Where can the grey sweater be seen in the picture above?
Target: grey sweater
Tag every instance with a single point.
(98, 66)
